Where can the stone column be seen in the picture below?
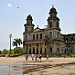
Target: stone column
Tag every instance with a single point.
(28, 48)
(54, 48)
(59, 48)
(35, 48)
(35, 36)
(39, 48)
(24, 50)
(38, 36)
(43, 48)
(54, 33)
(32, 49)
(74, 48)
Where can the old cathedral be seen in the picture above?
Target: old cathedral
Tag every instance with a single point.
(33, 38)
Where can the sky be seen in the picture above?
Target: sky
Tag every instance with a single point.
(13, 14)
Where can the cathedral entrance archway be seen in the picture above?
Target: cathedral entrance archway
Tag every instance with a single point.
(37, 51)
(41, 50)
(33, 51)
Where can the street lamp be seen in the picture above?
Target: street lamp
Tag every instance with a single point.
(10, 43)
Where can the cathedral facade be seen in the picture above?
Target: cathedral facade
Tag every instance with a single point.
(33, 38)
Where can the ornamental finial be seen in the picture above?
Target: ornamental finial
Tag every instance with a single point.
(38, 26)
(52, 6)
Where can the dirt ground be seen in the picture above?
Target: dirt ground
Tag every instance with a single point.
(52, 66)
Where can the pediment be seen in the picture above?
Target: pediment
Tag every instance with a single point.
(37, 30)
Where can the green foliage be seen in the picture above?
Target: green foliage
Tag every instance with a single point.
(12, 51)
(5, 51)
(47, 39)
(14, 55)
(18, 50)
(2, 55)
(17, 42)
(14, 43)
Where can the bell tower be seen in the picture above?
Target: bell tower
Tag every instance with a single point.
(53, 20)
(29, 26)
(53, 23)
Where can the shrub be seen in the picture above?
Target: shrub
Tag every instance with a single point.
(18, 50)
(2, 55)
(14, 55)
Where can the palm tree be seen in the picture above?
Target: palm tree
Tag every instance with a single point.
(47, 40)
(15, 43)
(19, 42)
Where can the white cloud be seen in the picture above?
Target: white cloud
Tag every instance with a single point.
(9, 5)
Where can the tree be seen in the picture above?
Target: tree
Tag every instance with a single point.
(47, 40)
(17, 42)
(14, 43)
(18, 50)
(5, 51)
(12, 51)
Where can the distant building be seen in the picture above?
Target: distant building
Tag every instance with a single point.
(61, 43)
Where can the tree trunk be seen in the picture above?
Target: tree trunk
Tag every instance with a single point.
(47, 48)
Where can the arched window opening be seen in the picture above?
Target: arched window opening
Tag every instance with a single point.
(25, 29)
(33, 51)
(50, 24)
(51, 50)
(72, 39)
(26, 37)
(57, 24)
(66, 39)
(50, 34)
(37, 51)
(57, 34)
(33, 37)
(71, 51)
(40, 36)
(41, 50)
(37, 36)
(65, 51)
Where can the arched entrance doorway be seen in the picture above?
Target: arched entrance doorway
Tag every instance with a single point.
(33, 51)
(41, 50)
(29, 51)
(37, 51)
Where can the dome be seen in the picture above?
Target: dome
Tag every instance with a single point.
(29, 17)
(53, 10)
